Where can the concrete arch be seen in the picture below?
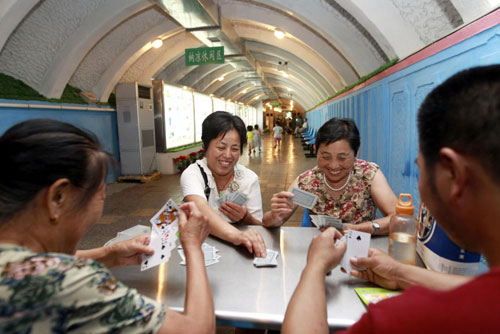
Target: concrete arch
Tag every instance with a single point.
(12, 12)
(83, 39)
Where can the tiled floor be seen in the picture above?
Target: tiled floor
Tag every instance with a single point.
(129, 204)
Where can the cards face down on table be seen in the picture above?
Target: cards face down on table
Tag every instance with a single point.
(236, 197)
(164, 234)
(327, 221)
(303, 198)
(268, 261)
(209, 253)
(358, 244)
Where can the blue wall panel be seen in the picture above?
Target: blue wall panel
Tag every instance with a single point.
(101, 123)
(386, 110)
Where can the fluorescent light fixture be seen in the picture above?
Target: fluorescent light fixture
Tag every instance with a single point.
(289, 89)
(284, 74)
(157, 43)
(221, 78)
(243, 91)
(279, 33)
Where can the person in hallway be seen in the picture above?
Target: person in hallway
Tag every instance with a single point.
(347, 187)
(250, 139)
(277, 132)
(460, 183)
(257, 137)
(207, 180)
(52, 190)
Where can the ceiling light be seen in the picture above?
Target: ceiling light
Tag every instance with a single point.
(289, 89)
(279, 33)
(157, 43)
(284, 74)
(221, 78)
(244, 91)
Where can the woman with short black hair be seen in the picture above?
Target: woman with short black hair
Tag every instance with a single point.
(348, 188)
(52, 191)
(208, 181)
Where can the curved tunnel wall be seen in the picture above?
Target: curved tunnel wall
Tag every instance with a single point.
(385, 111)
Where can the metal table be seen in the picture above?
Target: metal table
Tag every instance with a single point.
(246, 296)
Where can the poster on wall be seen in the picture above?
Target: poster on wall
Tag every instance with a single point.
(219, 104)
(202, 108)
(179, 116)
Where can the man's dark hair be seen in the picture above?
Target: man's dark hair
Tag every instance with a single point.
(463, 113)
(337, 129)
(219, 123)
(38, 152)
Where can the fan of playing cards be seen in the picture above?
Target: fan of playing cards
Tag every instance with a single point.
(236, 197)
(164, 234)
(209, 253)
(327, 221)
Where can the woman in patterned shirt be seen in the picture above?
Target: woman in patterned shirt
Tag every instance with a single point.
(52, 191)
(348, 188)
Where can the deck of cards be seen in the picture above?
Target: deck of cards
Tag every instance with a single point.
(358, 244)
(209, 253)
(268, 261)
(303, 198)
(327, 221)
(236, 197)
(164, 234)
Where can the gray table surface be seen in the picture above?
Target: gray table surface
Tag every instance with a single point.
(246, 296)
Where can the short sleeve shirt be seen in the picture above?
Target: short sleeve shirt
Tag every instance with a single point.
(59, 293)
(244, 181)
(250, 136)
(355, 205)
(277, 131)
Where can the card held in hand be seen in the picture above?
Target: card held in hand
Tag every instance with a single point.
(303, 198)
(268, 261)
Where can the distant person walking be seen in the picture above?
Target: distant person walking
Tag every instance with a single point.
(250, 139)
(257, 135)
(277, 135)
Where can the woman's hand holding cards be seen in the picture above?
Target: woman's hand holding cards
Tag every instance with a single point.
(233, 211)
(282, 207)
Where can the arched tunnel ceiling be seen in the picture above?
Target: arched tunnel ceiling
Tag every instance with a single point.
(328, 44)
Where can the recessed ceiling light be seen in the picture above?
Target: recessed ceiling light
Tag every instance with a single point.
(157, 43)
(279, 33)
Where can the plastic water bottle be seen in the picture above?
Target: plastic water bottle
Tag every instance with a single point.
(403, 232)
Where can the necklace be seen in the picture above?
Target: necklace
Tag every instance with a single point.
(220, 189)
(337, 189)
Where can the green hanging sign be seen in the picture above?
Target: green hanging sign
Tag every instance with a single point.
(275, 103)
(204, 56)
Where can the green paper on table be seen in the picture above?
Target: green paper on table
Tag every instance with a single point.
(374, 295)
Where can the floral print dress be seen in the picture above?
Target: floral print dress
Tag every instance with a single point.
(355, 205)
(58, 293)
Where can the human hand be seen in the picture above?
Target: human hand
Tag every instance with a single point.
(193, 226)
(282, 207)
(252, 240)
(323, 254)
(233, 211)
(363, 227)
(380, 268)
(128, 252)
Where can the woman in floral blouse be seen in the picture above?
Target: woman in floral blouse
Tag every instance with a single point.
(348, 188)
(52, 191)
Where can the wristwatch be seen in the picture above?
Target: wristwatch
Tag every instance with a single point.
(376, 227)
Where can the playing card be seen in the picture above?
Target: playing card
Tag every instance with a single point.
(239, 198)
(161, 254)
(268, 261)
(326, 221)
(303, 198)
(209, 253)
(358, 244)
(164, 235)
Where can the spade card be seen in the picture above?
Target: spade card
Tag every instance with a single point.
(358, 244)
(161, 254)
(303, 198)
